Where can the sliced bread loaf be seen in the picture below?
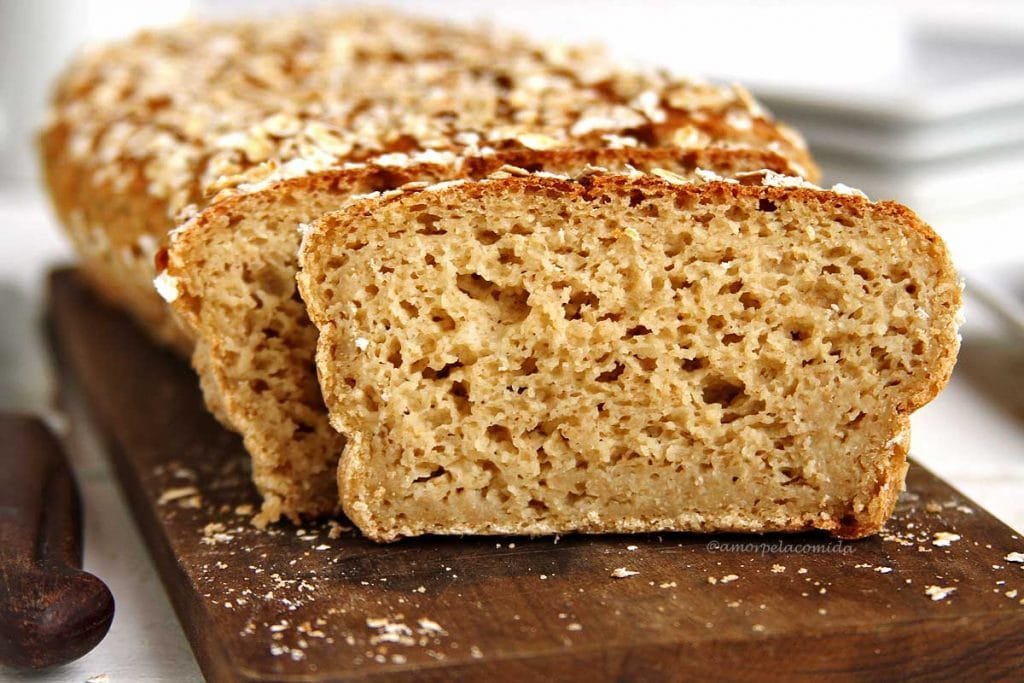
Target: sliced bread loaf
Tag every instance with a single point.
(530, 354)
(231, 276)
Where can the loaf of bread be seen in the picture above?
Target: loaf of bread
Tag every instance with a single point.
(230, 274)
(151, 131)
(626, 352)
(232, 134)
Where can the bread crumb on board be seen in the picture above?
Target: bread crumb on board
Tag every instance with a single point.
(185, 497)
(937, 593)
(178, 493)
(623, 573)
(943, 539)
(429, 625)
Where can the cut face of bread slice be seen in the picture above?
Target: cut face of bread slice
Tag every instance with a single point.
(231, 276)
(540, 355)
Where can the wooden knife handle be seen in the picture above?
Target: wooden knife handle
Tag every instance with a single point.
(51, 612)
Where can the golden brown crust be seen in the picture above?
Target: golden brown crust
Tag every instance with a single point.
(116, 229)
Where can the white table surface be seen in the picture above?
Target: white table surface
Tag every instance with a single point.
(972, 435)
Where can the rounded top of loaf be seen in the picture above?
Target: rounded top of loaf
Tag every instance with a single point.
(203, 111)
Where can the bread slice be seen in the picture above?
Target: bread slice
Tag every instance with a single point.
(147, 132)
(231, 277)
(627, 353)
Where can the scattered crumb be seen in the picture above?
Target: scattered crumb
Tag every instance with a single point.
(758, 627)
(244, 510)
(883, 570)
(895, 538)
(573, 627)
(933, 507)
(631, 547)
(729, 578)
(336, 530)
(943, 539)
(667, 584)
(937, 593)
(778, 568)
(214, 533)
(429, 625)
(712, 580)
(802, 570)
(389, 631)
(1011, 594)
(623, 573)
(99, 678)
(1014, 557)
(475, 652)
(179, 493)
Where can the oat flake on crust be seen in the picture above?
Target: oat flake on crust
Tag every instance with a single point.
(208, 110)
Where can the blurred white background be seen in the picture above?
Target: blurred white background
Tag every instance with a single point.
(921, 101)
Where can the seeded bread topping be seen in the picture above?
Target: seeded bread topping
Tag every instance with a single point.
(207, 110)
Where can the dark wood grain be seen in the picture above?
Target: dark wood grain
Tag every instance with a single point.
(299, 605)
(51, 612)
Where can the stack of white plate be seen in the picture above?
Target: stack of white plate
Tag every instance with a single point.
(942, 130)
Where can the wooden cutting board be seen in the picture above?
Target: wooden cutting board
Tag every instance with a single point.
(320, 603)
